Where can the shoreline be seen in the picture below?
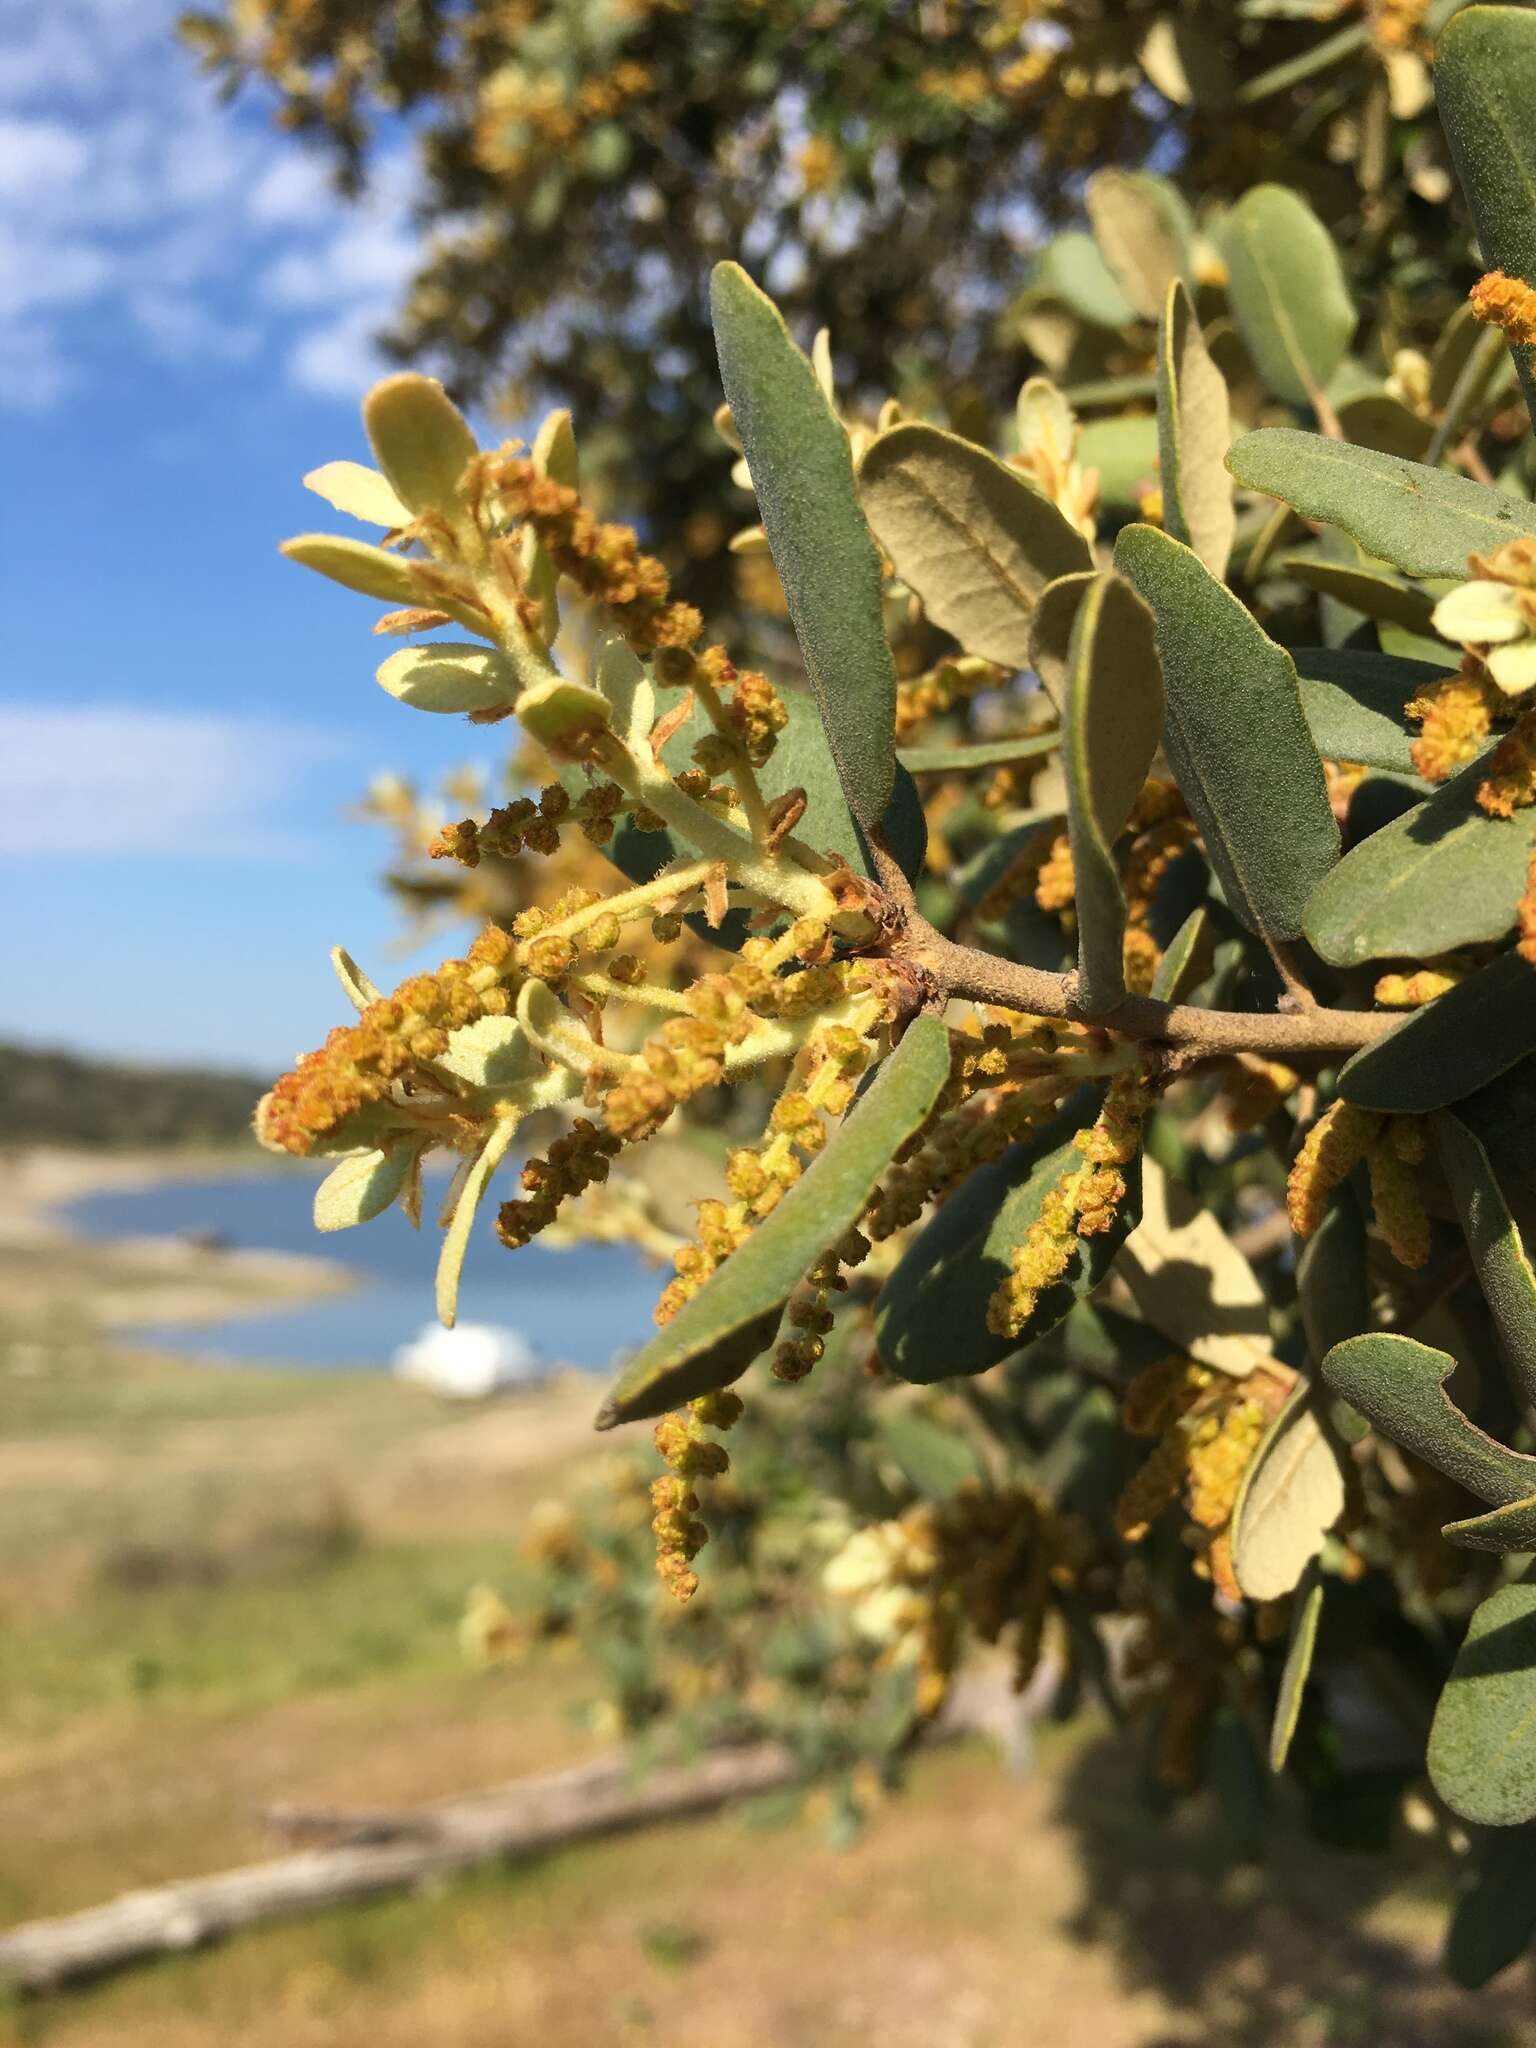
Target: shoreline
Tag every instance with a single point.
(50, 1272)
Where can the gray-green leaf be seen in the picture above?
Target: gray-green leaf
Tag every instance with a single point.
(1194, 431)
(1400, 1385)
(1237, 737)
(802, 473)
(716, 1335)
(1112, 715)
(1442, 875)
(1423, 521)
(1482, 1747)
(1451, 1047)
(1291, 1496)
(1354, 698)
(1306, 1613)
(1286, 285)
(1493, 1238)
(975, 541)
(1485, 87)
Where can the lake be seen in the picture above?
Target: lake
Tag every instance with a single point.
(577, 1306)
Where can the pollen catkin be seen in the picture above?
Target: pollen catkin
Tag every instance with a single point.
(1505, 302)
(1082, 1204)
(395, 1037)
(1510, 783)
(680, 1439)
(1395, 1197)
(1527, 916)
(1334, 1146)
(1412, 991)
(1455, 717)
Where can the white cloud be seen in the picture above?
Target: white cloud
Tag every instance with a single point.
(110, 780)
(126, 189)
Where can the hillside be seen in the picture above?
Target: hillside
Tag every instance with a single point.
(58, 1098)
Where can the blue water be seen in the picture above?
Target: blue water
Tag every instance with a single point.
(577, 1307)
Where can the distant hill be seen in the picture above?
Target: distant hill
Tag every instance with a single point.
(57, 1098)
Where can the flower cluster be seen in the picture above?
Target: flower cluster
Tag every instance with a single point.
(387, 1052)
(1391, 1147)
(1208, 1425)
(1083, 1204)
(691, 1456)
(1505, 302)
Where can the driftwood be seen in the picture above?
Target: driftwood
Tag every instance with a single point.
(373, 1853)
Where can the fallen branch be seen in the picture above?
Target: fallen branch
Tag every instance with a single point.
(383, 1853)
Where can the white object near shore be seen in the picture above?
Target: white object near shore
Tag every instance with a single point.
(469, 1362)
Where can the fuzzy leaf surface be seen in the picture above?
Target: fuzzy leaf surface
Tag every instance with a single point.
(1194, 432)
(1482, 1747)
(1287, 291)
(716, 1335)
(975, 541)
(1441, 875)
(802, 473)
(1237, 737)
(1423, 521)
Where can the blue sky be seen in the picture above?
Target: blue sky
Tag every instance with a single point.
(185, 313)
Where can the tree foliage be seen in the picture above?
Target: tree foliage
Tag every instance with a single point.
(1214, 944)
(886, 166)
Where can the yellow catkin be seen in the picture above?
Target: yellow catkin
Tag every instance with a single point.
(1399, 1206)
(1411, 991)
(1501, 301)
(1527, 911)
(1334, 1146)
(1510, 783)
(1455, 717)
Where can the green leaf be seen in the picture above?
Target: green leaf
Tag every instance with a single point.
(1442, 875)
(450, 1260)
(356, 565)
(1400, 1386)
(1375, 419)
(1506, 1529)
(1291, 1496)
(439, 675)
(1072, 269)
(1050, 630)
(420, 439)
(1423, 521)
(1123, 453)
(360, 492)
(716, 1335)
(1370, 591)
(493, 1053)
(1287, 291)
(1194, 431)
(1353, 700)
(1143, 227)
(802, 471)
(1331, 1278)
(1451, 1047)
(1482, 1747)
(362, 1187)
(1498, 1255)
(1306, 1613)
(986, 754)
(560, 713)
(931, 1317)
(1236, 736)
(934, 1459)
(1485, 87)
(1495, 1913)
(1188, 959)
(1112, 714)
(975, 541)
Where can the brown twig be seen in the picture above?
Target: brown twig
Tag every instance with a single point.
(1191, 1034)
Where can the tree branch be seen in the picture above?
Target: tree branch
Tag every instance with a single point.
(1192, 1033)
